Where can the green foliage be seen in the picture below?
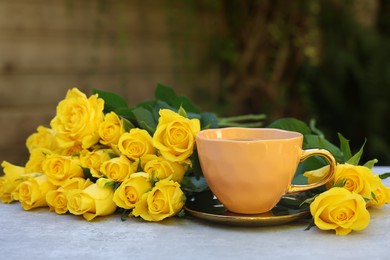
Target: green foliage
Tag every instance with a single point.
(112, 101)
(145, 115)
(315, 139)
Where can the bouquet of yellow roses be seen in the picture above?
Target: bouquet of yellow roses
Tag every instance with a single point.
(100, 156)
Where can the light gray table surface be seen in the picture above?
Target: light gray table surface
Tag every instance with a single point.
(40, 234)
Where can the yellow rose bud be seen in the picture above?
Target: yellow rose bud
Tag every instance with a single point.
(131, 190)
(316, 175)
(382, 196)
(57, 200)
(61, 168)
(11, 179)
(91, 202)
(340, 210)
(35, 161)
(160, 168)
(78, 119)
(358, 179)
(117, 169)
(44, 138)
(175, 136)
(111, 129)
(32, 192)
(93, 160)
(166, 199)
(136, 144)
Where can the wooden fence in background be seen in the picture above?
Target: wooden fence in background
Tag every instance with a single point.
(49, 46)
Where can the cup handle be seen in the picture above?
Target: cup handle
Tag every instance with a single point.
(293, 188)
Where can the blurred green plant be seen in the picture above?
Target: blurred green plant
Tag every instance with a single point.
(305, 59)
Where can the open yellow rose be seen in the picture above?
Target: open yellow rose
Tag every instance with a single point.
(111, 129)
(160, 168)
(94, 159)
(11, 179)
(340, 210)
(91, 202)
(78, 119)
(166, 199)
(60, 168)
(136, 144)
(117, 169)
(358, 179)
(57, 200)
(32, 192)
(131, 190)
(44, 138)
(175, 136)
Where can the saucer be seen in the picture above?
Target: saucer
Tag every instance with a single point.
(206, 206)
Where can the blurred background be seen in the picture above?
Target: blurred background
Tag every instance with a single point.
(309, 59)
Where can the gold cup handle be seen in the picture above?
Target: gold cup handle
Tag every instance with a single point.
(293, 188)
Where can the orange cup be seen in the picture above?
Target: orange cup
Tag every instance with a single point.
(250, 169)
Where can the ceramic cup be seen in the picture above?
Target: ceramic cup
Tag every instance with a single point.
(250, 169)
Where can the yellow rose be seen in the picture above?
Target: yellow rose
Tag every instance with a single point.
(93, 160)
(11, 179)
(166, 199)
(91, 202)
(340, 210)
(60, 168)
(32, 192)
(358, 179)
(111, 129)
(35, 161)
(56, 199)
(131, 190)
(70, 151)
(382, 196)
(117, 169)
(136, 144)
(160, 168)
(78, 119)
(175, 136)
(44, 138)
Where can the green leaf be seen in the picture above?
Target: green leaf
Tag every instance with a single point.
(354, 160)
(196, 168)
(345, 148)
(208, 120)
(291, 124)
(112, 101)
(186, 103)
(147, 104)
(311, 224)
(370, 163)
(192, 184)
(145, 119)
(315, 141)
(165, 93)
(127, 125)
(384, 175)
(340, 183)
(88, 175)
(182, 112)
(314, 129)
(125, 112)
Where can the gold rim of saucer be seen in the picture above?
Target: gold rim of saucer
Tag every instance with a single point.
(213, 211)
